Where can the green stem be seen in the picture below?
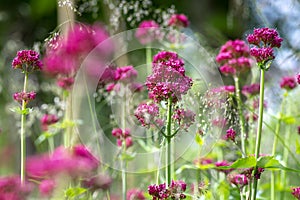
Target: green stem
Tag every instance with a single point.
(259, 129)
(285, 157)
(241, 116)
(51, 143)
(23, 134)
(107, 195)
(124, 179)
(148, 60)
(168, 145)
(68, 119)
(124, 162)
(274, 149)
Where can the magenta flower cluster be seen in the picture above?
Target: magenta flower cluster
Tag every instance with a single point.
(230, 135)
(184, 118)
(223, 163)
(298, 78)
(179, 21)
(65, 54)
(264, 39)
(251, 90)
(234, 57)
(174, 191)
(135, 194)
(288, 82)
(123, 137)
(147, 114)
(112, 78)
(24, 96)
(47, 120)
(296, 192)
(27, 61)
(239, 180)
(75, 163)
(168, 79)
(12, 189)
(147, 32)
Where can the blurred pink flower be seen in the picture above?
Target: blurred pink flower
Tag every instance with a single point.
(135, 194)
(147, 32)
(288, 82)
(179, 20)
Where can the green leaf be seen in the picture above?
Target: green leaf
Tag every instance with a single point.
(269, 162)
(199, 139)
(44, 136)
(74, 192)
(184, 167)
(241, 163)
(289, 119)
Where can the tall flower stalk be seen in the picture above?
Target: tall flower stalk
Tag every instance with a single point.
(28, 61)
(264, 40)
(234, 57)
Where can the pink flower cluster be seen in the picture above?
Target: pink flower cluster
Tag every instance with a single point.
(123, 137)
(298, 78)
(65, 54)
(251, 90)
(113, 77)
(168, 79)
(24, 96)
(288, 82)
(147, 114)
(174, 191)
(135, 194)
(47, 120)
(264, 39)
(27, 61)
(77, 162)
(184, 118)
(12, 189)
(147, 32)
(239, 180)
(179, 21)
(230, 135)
(234, 57)
(296, 192)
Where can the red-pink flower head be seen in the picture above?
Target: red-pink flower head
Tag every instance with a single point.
(11, 188)
(238, 179)
(147, 113)
(24, 96)
(76, 162)
(46, 187)
(168, 79)
(123, 137)
(296, 192)
(147, 32)
(27, 61)
(179, 20)
(234, 57)
(47, 120)
(125, 74)
(65, 59)
(230, 134)
(288, 82)
(251, 90)
(264, 39)
(298, 78)
(135, 194)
